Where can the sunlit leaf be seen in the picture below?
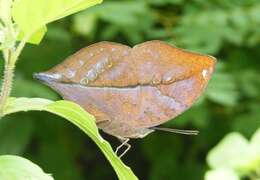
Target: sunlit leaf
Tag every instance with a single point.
(31, 16)
(223, 174)
(255, 150)
(35, 37)
(26, 104)
(231, 152)
(17, 168)
(5, 7)
(255, 141)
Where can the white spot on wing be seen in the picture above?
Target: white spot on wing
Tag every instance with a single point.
(204, 73)
(71, 73)
(81, 62)
(91, 75)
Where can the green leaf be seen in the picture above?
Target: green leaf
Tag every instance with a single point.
(255, 141)
(26, 104)
(231, 152)
(234, 152)
(17, 168)
(36, 37)
(255, 150)
(5, 14)
(223, 174)
(32, 16)
(76, 115)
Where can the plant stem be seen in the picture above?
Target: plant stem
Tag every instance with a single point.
(11, 57)
(7, 81)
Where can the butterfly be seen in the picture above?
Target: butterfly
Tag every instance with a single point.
(130, 91)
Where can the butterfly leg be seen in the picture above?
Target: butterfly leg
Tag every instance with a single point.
(124, 143)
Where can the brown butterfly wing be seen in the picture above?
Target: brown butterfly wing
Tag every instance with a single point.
(85, 66)
(132, 89)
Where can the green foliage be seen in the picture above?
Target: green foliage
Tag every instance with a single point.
(76, 115)
(17, 168)
(234, 154)
(42, 12)
(228, 30)
(124, 17)
(219, 90)
(10, 129)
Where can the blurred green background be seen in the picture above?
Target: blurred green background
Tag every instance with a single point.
(226, 29)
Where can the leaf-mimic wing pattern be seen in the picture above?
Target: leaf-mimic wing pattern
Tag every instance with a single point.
(129, 90)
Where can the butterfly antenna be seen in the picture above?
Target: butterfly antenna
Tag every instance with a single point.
(177, 131)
